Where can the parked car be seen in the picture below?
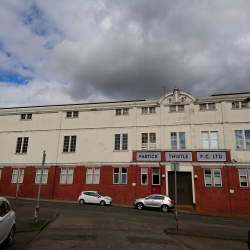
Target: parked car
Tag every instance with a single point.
(155, 201)
(7, 222)
(94, 197)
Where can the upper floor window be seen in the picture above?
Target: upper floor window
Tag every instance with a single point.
(26, 116)
(92, 175)
(242, 139)
(69, 144)
(120, 175)
(213, 177)
(22, 145)
(148, 141)
(72, 114)
(121, 142)
(122, 111)
(210, 140)
(175, 143)
(178, 108)
(237, 105)
(148, 110)
(17, 175)
(244, 175)
(44, 176)
(66, 176)
(207, 106)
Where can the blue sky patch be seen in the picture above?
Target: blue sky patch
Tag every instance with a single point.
(18, 79)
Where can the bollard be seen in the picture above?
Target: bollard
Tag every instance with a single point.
(36, 212)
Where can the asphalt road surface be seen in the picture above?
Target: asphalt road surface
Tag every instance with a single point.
(110, 227)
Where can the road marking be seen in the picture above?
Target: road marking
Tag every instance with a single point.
(234, 221)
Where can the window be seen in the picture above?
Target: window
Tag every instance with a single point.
(66, 176)
(22, 145)
(69, 144)
(242, 142)
(212, 177)
(210, 140)
(122, 112)
(26, 116)
(208, 106)
(44, 177)
(148, 110)
(155, 176)
(144, 176)
(174, 140)
(92, 175)
(237, 105)
(120, 175)
(72, 114)
(17, 175)
(151, 144)
(243, 177)
(124, 144)
(178, 108)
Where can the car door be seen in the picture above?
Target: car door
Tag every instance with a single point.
(87, 197)
(158, 199)
(94, 197)
(149, 201)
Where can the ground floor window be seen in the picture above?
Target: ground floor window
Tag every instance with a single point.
(66, 176)
(244, 175)
(93, 176)
(213, 177)
(155, 176)
(144, 176)
(44, 177)
(120, 175)
(17, 175)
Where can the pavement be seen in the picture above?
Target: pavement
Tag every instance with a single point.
(25, 223)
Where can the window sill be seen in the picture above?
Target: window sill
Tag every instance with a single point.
(176, 112)
(144, 185)
(118, 184)
(204, 110)
(92, 184)
(15, 183)
(123, 115)
(25, 119)
(148, 113)
(211, 187)
(242, 149)
(43, 184)
(68, 152)
(120, 151)
(20, 153)
(65, 184)
(239, 108)
(71, 117)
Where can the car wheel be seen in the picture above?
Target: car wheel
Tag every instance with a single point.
(102, 203)
(9, 240)
(164, 208)
(82, 201)
(139, 206)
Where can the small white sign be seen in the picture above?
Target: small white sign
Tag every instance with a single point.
(148, 156)
(211, 156)
(133, 184)
(231, 191)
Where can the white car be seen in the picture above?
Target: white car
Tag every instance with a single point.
(94, 197)
(7, 222)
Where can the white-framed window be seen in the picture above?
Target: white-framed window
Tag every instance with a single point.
(17, 175)
(69, 143)
(213, 177)
(72, 114)
(144, 176)
(207, 106)
(150, 110)
(155, 176)
(178, 144)
(121, 142)
(122, 111)
(44, 177)
(120, 175)
(238, 105)
(244, 177)
(22, 145)
(148, 141)
(178, 108)
(66, 176)
(210, 140)
(26, 116)
(242, 139)
(92, 175)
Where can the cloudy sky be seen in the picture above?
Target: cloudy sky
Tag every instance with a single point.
(54, 52)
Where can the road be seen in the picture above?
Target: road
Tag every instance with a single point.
(111, 227)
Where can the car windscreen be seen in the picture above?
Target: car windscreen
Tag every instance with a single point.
(101, 194)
